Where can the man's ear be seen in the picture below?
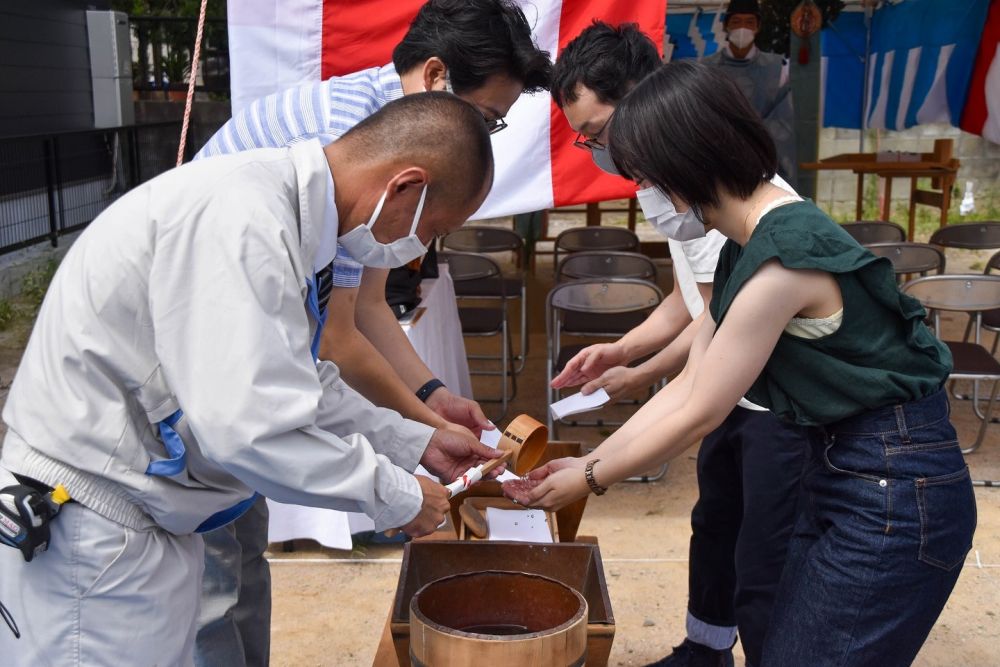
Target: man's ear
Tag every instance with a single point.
(434, 71)
(405, 180)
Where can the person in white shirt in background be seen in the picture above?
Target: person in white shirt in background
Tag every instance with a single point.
(762, 77)
(744, 517)
(171, 376)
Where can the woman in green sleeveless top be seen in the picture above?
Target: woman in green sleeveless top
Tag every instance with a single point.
(810, 325)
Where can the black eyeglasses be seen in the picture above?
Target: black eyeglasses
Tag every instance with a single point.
(495, 125)
(588, 144)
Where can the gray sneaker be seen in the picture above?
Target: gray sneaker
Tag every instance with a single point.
(690, 654)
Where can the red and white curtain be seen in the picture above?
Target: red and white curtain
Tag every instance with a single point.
(981, 114)
(276, 44)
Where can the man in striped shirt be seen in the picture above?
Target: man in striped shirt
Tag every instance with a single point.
(482, 51)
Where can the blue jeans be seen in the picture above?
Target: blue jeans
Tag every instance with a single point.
(749, 473)
(886, 520)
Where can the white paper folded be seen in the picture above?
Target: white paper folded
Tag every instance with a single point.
(579, 403)
(491, 438)
(518, 525)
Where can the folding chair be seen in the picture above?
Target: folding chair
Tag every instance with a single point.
(485, 321)
(990, 322)
(593, 308)
(971, 294)
(606, 264)
(488, 240)
(968, 236)
(991, 318)
(580, 239)
(909, 258)
(866, 232)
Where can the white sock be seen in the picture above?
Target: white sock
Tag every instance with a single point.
(717, 637)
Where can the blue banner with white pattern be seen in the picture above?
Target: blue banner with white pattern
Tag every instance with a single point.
(922, 55)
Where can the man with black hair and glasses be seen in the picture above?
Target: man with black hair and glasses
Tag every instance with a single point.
(744, 515)
(483, 52)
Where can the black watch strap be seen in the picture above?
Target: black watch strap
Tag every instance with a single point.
(424, 392)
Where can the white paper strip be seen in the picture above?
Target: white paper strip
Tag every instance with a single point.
(579, 403)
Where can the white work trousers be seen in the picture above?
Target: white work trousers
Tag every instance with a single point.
(103, 595)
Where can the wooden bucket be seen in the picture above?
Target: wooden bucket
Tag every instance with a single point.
(498, 618)
(525, 438)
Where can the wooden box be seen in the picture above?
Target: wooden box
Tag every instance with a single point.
(575, 564)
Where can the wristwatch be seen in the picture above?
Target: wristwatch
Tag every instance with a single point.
(424, 392)
(591, 482)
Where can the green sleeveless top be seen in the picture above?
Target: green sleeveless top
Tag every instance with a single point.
(882, 354)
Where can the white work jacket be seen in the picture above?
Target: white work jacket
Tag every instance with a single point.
(187, 294)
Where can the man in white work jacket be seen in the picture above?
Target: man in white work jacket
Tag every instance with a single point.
(171, 374)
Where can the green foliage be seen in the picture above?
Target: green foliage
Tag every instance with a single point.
(7, 314)
(36, 284)
(176, 8)
(776, 16)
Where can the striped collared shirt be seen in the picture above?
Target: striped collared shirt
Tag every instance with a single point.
(324, 110)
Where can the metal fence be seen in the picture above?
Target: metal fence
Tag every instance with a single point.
(162, 57)
(53, 184)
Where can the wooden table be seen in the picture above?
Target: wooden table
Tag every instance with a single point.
(938, 165)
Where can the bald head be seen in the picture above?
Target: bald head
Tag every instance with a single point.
(435, 131)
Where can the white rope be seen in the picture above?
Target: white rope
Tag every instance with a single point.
(195, 58)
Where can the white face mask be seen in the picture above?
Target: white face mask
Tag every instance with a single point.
(602, 158)
(741, 38)
(363, 248)
(660, 211)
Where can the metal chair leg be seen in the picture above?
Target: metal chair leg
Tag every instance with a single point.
(985, 422)
(993, 483)
(646, 478)
(549, 397)
(523, 358)
(978, 410)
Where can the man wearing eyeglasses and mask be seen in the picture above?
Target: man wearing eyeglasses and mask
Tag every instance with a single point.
(744, 515)
(479, 50)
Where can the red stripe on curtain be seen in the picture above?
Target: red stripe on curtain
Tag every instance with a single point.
(575, 179)
(974, 114)
(359, 35)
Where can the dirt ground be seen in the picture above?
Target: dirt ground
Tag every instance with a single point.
(330, 606)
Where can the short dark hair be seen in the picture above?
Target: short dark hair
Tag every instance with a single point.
(606, 59)
(475, 39)
(435, 130)
(741, 7)
(687, 129)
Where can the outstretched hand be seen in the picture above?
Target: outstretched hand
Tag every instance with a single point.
(617, 382)
(588, 365)
(459, 410)
(551, 487)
